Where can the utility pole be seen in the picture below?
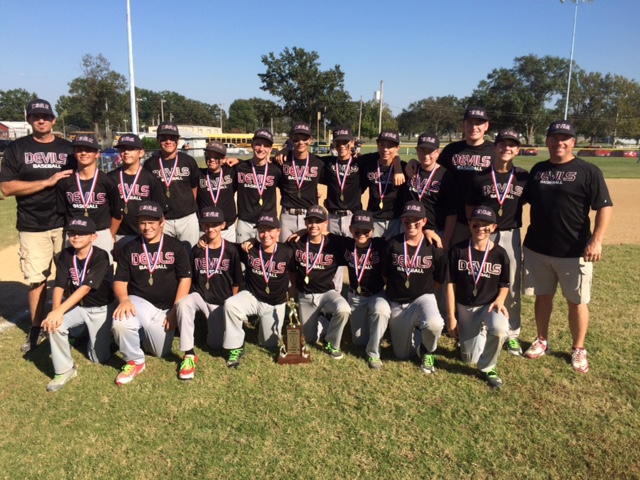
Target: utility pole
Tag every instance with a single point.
(380, 114)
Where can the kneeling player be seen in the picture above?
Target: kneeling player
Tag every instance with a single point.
(477, 287)
(84, 270)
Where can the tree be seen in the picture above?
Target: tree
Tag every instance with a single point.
(296, 79)
(242, 117)
(440, 115)
(13, 104)
(370, 118)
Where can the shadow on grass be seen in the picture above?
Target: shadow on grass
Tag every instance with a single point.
(14, 306)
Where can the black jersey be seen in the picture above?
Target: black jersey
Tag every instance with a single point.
(483, 192)
(27, 160)
(494, 276)
(437, 194)
(96, 276)
(147, 187)
(180, 190)
(275, 266)
(382, 191)
(296, 172)
(217, 190)
(171, 265)
(343, 185)
(320, 267)
(101, 205)
(372, 281)
(423, 269)
(250, 208)
(561, 196)
(222, 273)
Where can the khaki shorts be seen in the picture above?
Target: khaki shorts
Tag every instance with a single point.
(37, 252)
(542, 274)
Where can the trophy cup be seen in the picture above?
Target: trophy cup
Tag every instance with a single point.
(293, 348)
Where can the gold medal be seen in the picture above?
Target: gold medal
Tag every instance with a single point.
(359, 289)
(207, 285)
(407, 283)
(126, 209)
(150, 279)
(267, 291)
(260, 201)
(299, 194)
(381, 204)
(306, 279)
(500, 212)
(86, 213)
(475, 292)
(341, 197)
(168, 193)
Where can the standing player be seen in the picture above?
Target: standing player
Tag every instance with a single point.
(501, 187)
(179, 175)
(414, 269)
(135, 185)
(370, 310)
(84, 271)
(92, 193)
(31, 168)
(217, 276)
(559, 245)
(477, 287)
(153, 274)
(267, 276)
(217, 187)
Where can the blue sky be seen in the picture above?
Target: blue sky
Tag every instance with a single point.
(210, 50)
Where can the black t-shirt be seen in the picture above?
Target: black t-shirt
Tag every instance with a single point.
(172, 265)
(277, 266)
(495, 274)
(222, 278)
(561, 196)
(438, 195)
(349, 197)
(249, 207)
(482, 191)
(27, 160)
(147, 187)
(96, 276)
(309, 181)
(210, 187)
(372, 279)
(429, 265)
(321, 276)
(105, 202)
(392, 196)
(464, 161)
(185, 179)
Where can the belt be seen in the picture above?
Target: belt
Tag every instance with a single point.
(353, 291)
(296, 211)
(341, 213)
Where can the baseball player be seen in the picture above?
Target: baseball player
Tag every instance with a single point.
(217, 275)
(268, 272)
(477, 287)
(370, 310)
(217, 187)
(135, 185)
(153, 274)
(413, 270)
(317, 258)
(180, 176)
(31, 168)
(501, 187)
(92, 193)
(84, 271)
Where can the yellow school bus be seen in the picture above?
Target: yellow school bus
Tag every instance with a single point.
(240, 139)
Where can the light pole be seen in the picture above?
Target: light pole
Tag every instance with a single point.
(220, 109)
(573, 41)
(162, 100)
(132, 83)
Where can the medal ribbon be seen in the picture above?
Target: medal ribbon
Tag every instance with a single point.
(476, 278)
(299, 180)
(407, 259)
(266, 274)
(86, 199)
(386, 183)
(80, 276)
(215, 197)
(427, 183)
(206, 260)
(173, 171)
(152, 268)
(343, 182)
(126, 196)
(306, 266)
(502, 198)
(363, 266)
(259, 187)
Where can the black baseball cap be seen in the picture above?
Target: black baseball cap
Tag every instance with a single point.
(508, 134)
(316, 211)
(211, 215)
(151, 209)
(129, 140)
(342, 133)
(429, 140)
(563, 127)
(268, 221)
(300, 127)
(476, 112)
(40, 107)
(81, 224)
(216, 147)
(168, 128)
(413, 209)
(483, 213)
(362, 219)
(390, 135)
(264, 133)
(86, 140)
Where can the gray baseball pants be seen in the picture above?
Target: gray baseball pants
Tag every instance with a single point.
(185, 229)
(340, 224)
(186, 313)
(477, 346)
(387, 228)
(422, 314)
(291, 224)
(312, 305)
(369, 320)
(245, 231)
(510, 241)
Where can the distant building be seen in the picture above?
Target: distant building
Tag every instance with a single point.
(13, 130)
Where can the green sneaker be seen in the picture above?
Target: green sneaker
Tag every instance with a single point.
(513, 347)
(335, 353)
(234, 357)
(188, 367)
(427, 364)
(491, 377)
(374, 363)
(61, 380)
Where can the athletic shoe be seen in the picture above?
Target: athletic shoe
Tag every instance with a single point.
(188, 367)
(427, 364)
(129, 372)
(491, 377)
(234, 357)
(34, 338)
(537, 349)
(61, 380)
(335, 353)
(513, 347)
(579, 360)
(374, 363)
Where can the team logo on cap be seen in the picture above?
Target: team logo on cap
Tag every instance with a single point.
(480, 113)
(483, 211)
(389, 135)
(342, 132)
(561, 126)
(428, 139)
(211, 215)
(46, 106)
(148, 208)
(169, 127)
(126, 138)
(413, 208)
(302, 126)
(361, 218)
(78, 223)
(85, 138)
(266, 218)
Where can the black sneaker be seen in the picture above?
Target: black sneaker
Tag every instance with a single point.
(234, 357)
(491, 377)
(34, 338)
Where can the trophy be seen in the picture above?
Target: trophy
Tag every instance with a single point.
(293, 348)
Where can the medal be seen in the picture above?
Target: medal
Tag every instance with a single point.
(86, 198)
(147, 258)
(299, 194)
(360, 269)
(260, 201)
(423, 189)
(407, 283)
(259, 187)
(381, 204)
(500, 212)
(342, 181)
(475, 292)
(300, 180)
(86, 213)
(125, 196)
(126, 209)
(267, 273)
(168, 193)
(501, 198)
(218, 188)
(306, 279)
(381, 192)
(81, 274)
(167, 181)
(207, 285)
(474, 276)
(408, 261)
(307, 268)
(151, 279)
(266, 290)
(208, 262)
(359, 289)
(341, 198)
